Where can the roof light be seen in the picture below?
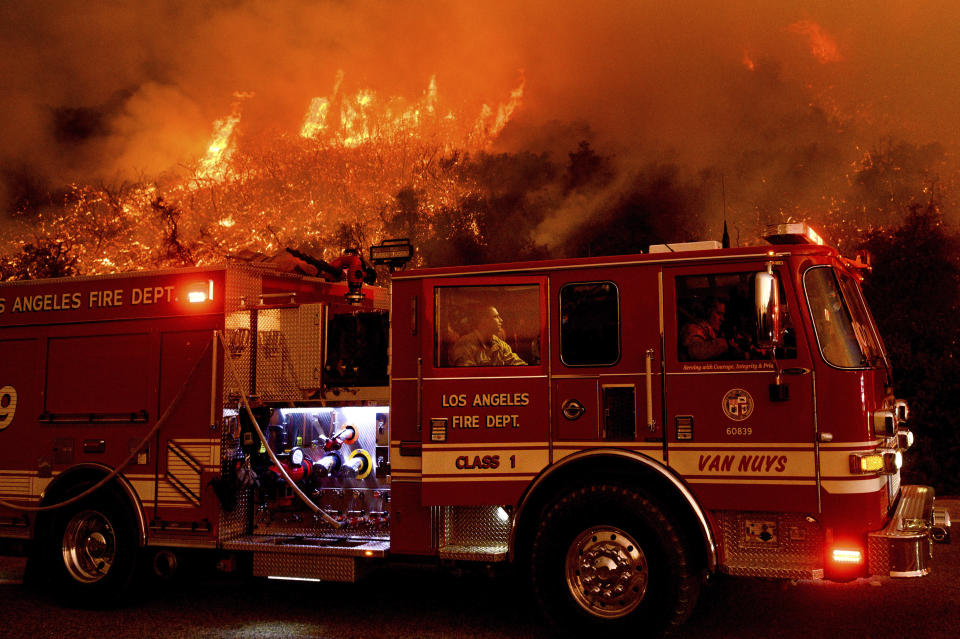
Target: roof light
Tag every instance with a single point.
(793, 233)
(677, 247)
(847, 556)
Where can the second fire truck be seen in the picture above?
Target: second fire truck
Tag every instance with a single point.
(618, 428)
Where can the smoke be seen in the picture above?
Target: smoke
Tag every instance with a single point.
(778, 98)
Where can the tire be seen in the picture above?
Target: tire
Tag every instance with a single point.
(606, 559)
(90, 550)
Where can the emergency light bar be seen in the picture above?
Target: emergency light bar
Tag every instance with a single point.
(792, 233)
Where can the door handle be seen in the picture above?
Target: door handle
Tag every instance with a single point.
(651, 422)
(572, 409)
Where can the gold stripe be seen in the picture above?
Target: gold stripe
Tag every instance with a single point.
(457, 480)
(751, 482)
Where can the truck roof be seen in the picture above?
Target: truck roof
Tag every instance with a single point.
(747, 252)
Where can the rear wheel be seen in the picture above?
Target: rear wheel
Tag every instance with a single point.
(605, 558)
(89, 546)
(90, 550)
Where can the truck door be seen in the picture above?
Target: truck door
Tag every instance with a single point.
(484, 389)
(607, 383)
(188, 451)
(740, 441)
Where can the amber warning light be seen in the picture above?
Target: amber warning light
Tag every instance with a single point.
(200, 292)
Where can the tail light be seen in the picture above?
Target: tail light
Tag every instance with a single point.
(847, 556)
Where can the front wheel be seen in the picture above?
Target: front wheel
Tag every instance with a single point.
(605, 558)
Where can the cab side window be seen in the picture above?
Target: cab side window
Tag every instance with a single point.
(716, 319)
(589, 324)
(487, 325)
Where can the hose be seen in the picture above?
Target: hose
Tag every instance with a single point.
(273, 457)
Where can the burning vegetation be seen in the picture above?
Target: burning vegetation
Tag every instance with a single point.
(359, 166)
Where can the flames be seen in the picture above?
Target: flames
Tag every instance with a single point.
(218, 150)
(337, 180)
(349, 121)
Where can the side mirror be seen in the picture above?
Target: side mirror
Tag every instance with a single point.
(767, 302)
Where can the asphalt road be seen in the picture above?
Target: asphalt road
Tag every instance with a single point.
(409, 602)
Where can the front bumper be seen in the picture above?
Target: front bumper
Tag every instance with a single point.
(904, 547)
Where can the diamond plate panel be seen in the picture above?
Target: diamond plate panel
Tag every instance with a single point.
(235, 522)
(791, 547)
(878, 556)
(474, 526)
(302, 566)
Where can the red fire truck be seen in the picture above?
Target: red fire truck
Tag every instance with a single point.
(618, 428)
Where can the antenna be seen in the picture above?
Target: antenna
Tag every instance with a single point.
(725, 241)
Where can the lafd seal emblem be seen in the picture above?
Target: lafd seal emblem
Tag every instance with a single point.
(737, 404)
(8, 405)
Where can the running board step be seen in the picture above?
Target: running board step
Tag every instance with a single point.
(339, 559)
(304, 545)
(278, 565)
(473, 553)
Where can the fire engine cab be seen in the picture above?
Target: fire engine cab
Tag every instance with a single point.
(616, 427)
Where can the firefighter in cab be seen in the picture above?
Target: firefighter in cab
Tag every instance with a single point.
(484, 345)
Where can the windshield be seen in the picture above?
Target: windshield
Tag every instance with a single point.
(862, 321)
(838, 334)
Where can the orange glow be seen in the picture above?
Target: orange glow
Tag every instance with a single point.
(748, 61)
(822, 45)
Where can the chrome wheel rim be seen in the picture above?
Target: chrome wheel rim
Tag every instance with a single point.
(606, 572)
(89, 546)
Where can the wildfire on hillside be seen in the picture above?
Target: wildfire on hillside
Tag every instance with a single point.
(327, 184)
(641, 125)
